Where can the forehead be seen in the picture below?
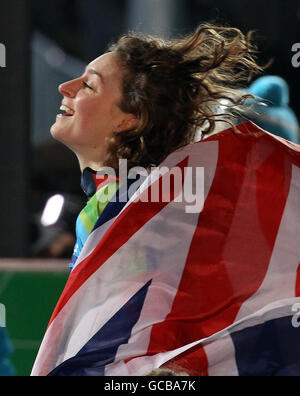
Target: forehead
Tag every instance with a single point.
(108, 65)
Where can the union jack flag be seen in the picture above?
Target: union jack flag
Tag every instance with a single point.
(213, 292)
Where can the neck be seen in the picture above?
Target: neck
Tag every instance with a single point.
(91, 160)
(89, 164)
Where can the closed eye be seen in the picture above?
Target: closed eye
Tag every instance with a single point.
(87, 86)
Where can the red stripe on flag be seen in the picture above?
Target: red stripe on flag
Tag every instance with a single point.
(126, 225)
(232, 245)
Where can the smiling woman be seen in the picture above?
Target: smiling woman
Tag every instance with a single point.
(141, 102)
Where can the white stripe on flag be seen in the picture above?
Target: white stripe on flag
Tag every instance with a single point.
(221, 357)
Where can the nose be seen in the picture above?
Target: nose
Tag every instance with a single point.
(69, 88)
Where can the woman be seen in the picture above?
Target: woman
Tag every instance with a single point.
(144, 99)
(152, 281)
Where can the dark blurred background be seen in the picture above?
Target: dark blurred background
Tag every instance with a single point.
(48, 42)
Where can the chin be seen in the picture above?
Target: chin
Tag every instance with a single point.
(55, 132)
(62, 136)
(58, 134)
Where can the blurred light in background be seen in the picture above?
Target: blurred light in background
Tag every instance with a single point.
(55, 56)
(53, 210)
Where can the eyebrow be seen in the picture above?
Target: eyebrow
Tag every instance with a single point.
(93, 71)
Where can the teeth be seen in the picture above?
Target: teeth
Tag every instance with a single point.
(67, 110)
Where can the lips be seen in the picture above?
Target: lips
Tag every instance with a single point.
(66, 111)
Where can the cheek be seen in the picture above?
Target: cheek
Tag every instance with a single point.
(85, 109)
(92, 112)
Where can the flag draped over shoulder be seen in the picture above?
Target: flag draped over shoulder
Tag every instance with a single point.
(212, 288)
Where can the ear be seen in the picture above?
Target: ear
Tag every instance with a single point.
(128, 122)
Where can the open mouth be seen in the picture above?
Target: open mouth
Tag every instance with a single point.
(66, 111)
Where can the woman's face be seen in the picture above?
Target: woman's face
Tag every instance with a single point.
(92, 104)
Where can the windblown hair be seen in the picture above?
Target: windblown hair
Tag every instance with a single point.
(174, 87)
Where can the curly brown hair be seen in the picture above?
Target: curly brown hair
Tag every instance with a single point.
(173, 88)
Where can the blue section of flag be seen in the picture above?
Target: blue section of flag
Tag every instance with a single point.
(102, 348)
(268, 349)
